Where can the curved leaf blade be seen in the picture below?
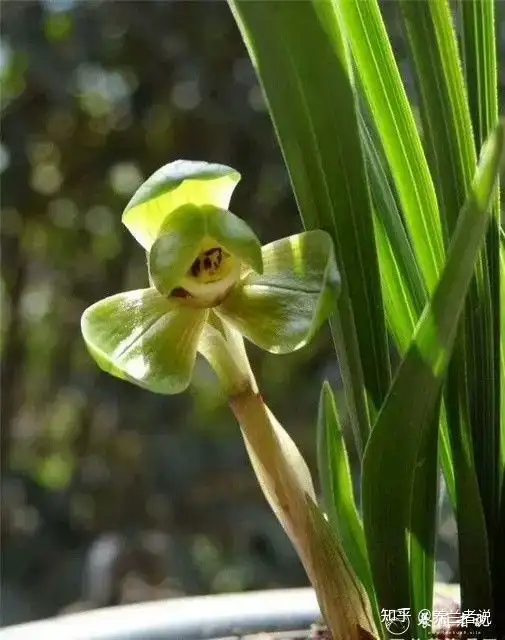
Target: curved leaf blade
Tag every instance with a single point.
(402, 282)
(479, 53)
(451, 155)
(395, 123)
(406, 416)
(478, 46)
(320, 142)
(338, 491)
(443, 106)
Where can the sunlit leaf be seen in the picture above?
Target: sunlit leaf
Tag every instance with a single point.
(480, 27)
(451, 156)
(402, 282)
(337, 488)
(394, 119)
(407, 415)
(479, 22)
(301, 58)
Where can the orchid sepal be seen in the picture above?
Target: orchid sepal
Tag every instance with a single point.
(143, 338)
(173, 185)
(281, 310)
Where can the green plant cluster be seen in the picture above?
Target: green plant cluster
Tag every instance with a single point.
(416, 230)
(413, 212)
(416, 226)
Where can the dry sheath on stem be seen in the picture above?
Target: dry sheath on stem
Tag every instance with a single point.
(286, 482)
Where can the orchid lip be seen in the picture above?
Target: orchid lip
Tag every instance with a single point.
(209, 263)
(209, 279)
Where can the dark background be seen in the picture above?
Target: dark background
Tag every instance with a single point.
(111, 494)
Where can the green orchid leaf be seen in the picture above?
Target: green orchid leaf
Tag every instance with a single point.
(234, 235)
(282, 309)
(480, 23)
(395, 123)
(299, 52)
(337, 489)
(502, 358)
(144, 338)
(450, 152)
(172, 186)
(391, 460)
(173, 252)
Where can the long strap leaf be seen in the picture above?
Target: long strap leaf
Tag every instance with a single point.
(480, 65)
(402, 283)
(450, 150)
(390, 457)
(321, 145)
(338, 491)
(395, 123)
(499, 568)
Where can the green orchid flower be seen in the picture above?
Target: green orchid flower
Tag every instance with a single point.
(211, 283)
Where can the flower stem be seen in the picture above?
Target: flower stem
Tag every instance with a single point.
(223, 347)
(286, 482)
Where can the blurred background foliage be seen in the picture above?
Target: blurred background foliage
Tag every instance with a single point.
(111, 494)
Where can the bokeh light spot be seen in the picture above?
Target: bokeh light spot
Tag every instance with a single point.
(99, 220)
(186, 95)
(46, 178)
(255, 99)
(125, 177)
(63, 212)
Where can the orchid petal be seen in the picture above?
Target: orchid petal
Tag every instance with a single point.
(173, 252)
(232, 233)
(181, 238)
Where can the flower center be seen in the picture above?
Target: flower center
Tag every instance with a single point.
(212, 274)
(211, 265)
